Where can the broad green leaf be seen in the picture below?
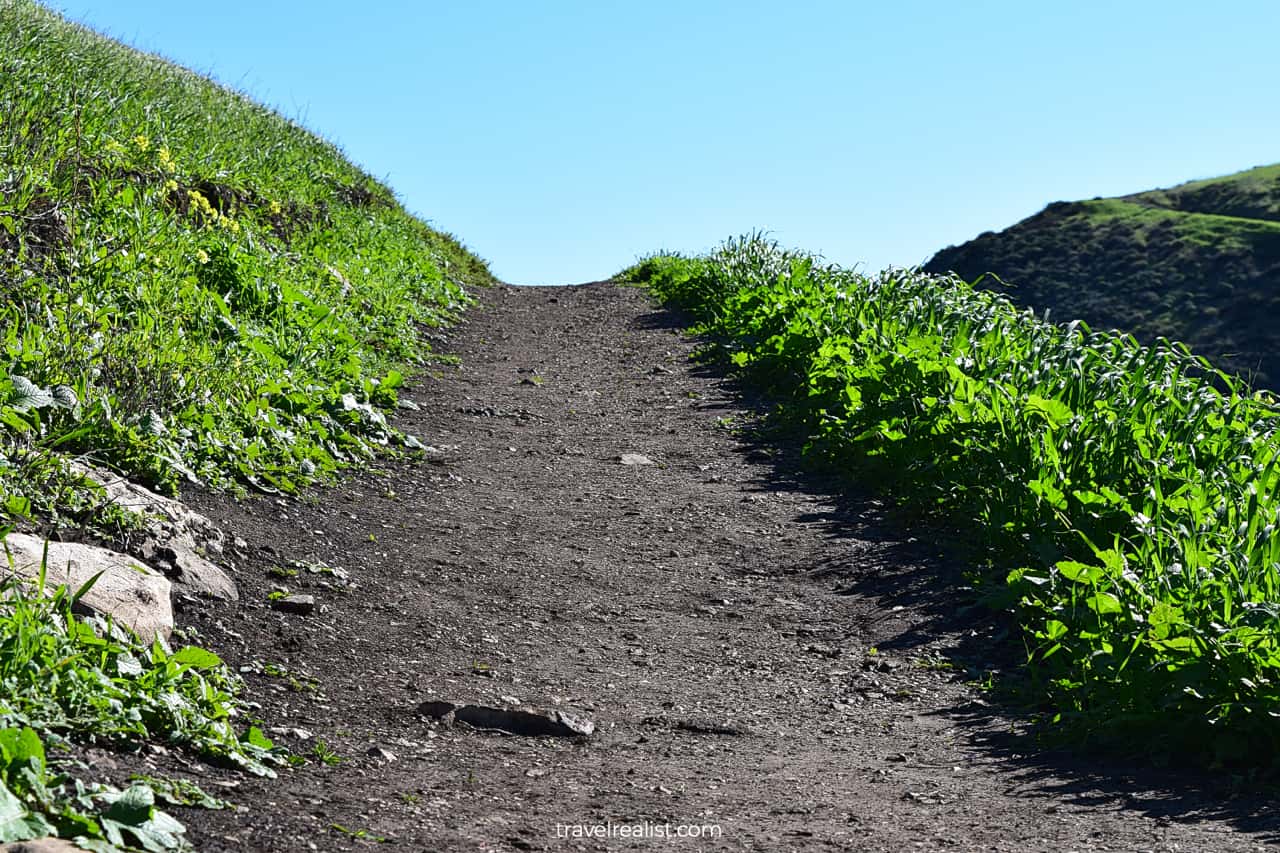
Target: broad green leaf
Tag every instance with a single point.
(1103, 603)
(27, 395)
(255, 737)
(1176, 644)
(1053, 629)
(1164, 613)
(197, 658)
(1078, 572)
(17, 823)
(132, 806)
(64, 397)
(128, 665)
(1054, 411)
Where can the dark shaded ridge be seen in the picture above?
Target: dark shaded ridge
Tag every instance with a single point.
(1198, 264)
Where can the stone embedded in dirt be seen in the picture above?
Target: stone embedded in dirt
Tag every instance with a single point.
(634, 459)
(695, 726)
(298, 604)
(177, 539)
(379, 754)
(438, 710)
(511, 720)
(129, 591)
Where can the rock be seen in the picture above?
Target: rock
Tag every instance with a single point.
(130, 592)
(704, 727)
(823, 650)
(384, 756)
(177, 538)
(302, 605)
(880, 663)
(41, 845)
(438, 710)
(634, 459)
(696, 726)
(517, 722)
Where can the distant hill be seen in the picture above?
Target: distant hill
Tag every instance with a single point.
(1198, 263)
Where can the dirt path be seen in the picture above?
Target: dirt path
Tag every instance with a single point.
(712, 617)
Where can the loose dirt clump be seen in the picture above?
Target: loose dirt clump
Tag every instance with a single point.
(592, 532)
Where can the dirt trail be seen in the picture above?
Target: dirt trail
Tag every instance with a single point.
(709, 614)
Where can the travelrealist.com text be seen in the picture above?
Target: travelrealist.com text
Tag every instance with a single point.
(639, 830)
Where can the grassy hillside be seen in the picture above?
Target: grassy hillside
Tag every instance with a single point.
(1198, 263)
(191, 288)
(211, 291)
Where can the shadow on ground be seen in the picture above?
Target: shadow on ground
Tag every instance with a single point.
(927, 578)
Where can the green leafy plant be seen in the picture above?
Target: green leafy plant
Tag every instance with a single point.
(1127, 497)
(359, 834)
(325, 754)
(34, 803)
(65, 674)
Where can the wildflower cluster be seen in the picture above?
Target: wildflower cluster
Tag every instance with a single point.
(208, 214)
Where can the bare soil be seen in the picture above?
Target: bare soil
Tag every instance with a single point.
(713, 613)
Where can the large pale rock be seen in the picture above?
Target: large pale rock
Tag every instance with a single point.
(178, 539)
(130, 592)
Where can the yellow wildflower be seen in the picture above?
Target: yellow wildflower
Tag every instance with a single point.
(275, 208)
(142, 142)
(201, 205)
(171, 186)
(165, 158)
(202, 256)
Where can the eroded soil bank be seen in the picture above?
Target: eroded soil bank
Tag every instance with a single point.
(710, 613)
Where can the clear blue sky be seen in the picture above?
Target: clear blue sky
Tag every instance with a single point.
(562, 139)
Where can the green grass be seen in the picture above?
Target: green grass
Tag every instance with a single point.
(192, 288)
(1107, 210)
(1251, 194)
(1125, 497)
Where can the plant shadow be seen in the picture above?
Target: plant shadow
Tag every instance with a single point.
(918, 566)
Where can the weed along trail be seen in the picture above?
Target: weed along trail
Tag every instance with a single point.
(596, 614)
